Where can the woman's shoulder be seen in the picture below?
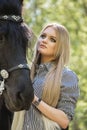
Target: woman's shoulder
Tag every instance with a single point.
(69, 77)
(69, 84)
(69, 92)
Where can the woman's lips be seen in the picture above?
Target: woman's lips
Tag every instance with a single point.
(42, 46)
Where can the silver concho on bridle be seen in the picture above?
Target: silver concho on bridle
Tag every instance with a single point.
(4, 74)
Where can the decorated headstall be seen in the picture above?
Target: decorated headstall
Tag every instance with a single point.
(4, 74)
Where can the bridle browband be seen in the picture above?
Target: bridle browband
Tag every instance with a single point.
(13, 18)
(4, 74)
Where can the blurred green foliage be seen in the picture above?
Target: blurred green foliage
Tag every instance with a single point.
(73, 15)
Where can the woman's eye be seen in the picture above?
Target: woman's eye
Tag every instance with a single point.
(53, 40)
(43, 36)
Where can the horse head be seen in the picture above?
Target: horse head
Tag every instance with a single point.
(15, 83)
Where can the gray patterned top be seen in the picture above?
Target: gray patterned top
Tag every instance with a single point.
(69, 94)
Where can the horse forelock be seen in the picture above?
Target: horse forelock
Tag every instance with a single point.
(15, 34)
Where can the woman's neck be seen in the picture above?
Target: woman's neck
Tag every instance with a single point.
(46, 59)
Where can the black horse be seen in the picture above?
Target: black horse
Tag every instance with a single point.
(16, 91)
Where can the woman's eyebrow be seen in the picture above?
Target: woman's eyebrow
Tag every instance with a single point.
(50, 35)
(53, 36)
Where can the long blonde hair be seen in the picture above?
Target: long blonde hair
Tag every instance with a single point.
(51, 90)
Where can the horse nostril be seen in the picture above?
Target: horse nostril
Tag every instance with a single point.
(19, 96)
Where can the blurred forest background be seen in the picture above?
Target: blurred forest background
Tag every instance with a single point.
(73, 15)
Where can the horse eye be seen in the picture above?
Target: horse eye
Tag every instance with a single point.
(2, 39)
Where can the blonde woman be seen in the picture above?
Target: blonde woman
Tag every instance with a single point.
(55, 85)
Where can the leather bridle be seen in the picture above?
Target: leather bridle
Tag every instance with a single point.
(4, 74)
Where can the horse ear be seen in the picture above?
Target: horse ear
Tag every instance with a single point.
(21, 1)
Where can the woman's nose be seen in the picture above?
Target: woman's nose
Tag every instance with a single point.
(45, 40)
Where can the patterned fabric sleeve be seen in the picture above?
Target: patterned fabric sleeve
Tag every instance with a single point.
(69, 93)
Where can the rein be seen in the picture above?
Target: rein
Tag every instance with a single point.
(5, 74)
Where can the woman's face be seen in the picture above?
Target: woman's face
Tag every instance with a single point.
(47, 44)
